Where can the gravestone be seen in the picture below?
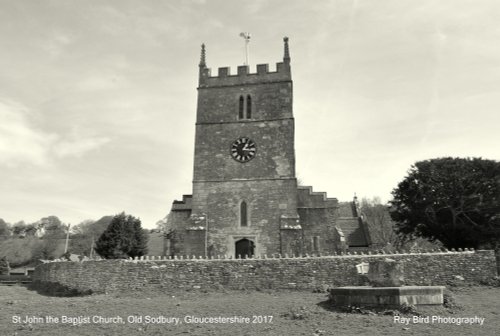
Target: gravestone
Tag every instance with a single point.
(386, 273)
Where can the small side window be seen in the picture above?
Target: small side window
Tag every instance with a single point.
(243, 214)
(315, 243)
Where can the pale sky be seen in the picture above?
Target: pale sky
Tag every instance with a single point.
(98, 97)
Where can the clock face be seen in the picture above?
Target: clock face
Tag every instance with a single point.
(243, 150)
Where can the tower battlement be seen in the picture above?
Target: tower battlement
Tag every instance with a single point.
(243, 75)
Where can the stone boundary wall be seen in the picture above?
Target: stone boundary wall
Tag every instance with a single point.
(497, 254)
(305, 273)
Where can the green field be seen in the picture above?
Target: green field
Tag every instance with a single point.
(269, 313)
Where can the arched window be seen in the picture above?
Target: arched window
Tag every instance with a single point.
(241, 108)
(249, 107)
(243, 214)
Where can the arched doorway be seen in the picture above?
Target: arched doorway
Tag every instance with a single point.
(244, 248)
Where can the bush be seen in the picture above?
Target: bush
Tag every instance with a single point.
(4, 266)
(123, 238)
(493, 282)
(450, 302)
(20, 251)
(408, 309)
(56, 289)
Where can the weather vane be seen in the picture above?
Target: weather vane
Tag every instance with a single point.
(246, 36)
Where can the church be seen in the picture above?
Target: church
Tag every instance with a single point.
(245, 198)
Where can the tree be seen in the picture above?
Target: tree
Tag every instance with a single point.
(123, 238)
(380, 224)
(162, 224)
(52, 233)
(19, 228)
(85, 234)
(4, 229)
(51, 226)
(382, 228)
(454, 200)
(48, 248)
(20, 251)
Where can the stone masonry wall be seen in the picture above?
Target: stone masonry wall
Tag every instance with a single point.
(274, 156)
(220, 201)
(270, 101)
(306, 273)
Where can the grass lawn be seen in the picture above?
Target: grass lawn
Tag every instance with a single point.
(279, 313)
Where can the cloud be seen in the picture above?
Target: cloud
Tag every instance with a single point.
(78, 147)
(21, 142)
(102, 82)
(56, 43)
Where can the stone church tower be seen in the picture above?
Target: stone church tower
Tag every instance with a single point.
(245, 198)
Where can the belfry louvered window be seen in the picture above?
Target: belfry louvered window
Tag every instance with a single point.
(241, 109)
(249, 107)
(245, 107)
